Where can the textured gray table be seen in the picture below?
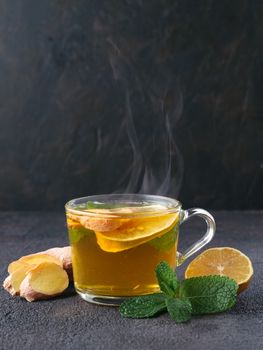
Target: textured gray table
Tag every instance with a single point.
(70, 323)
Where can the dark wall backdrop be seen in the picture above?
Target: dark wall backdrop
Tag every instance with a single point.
(152, 96)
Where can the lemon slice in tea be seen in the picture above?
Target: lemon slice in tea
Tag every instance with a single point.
(135, 232)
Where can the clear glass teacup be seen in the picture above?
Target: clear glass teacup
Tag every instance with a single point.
(118, 239)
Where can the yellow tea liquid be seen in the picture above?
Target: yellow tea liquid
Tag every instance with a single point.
(115, 251)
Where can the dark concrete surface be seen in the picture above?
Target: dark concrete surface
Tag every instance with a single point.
(70, 323)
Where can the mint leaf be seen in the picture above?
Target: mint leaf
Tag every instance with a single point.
(166, 278)
(144, 306)
(99, 205)
(209, 294)
(179, 309)
(166, 241)
(193, 296)
(75, 234)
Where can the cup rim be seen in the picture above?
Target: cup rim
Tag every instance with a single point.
(173, 205)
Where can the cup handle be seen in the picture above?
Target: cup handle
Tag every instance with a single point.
(211, 228)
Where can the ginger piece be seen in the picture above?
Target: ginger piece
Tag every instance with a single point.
(15, 265)
(101, 225)
(101, 222)
(94, 223)
(8, 286)
(37, 258)
(62, 254)
(46, 280)
(105, 224)
(19, 269)
(17, 272)
(17, 277)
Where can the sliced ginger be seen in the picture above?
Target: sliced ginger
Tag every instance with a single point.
(103, 225)
(64, 256)
(19, 268)
(16, 265)
(94, 223)
(45, 280)
(52, 264)
(17, 277)
(34, 259)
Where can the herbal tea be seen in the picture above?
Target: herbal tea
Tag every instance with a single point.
(115, 249)
(117, 240)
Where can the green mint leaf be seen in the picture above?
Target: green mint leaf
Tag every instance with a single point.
(166, 278)
(75, 234)
(166, 241)
(179, 309)
(98, 205)
(144, 306)
(209, 294)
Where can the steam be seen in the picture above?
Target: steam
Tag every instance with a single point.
(156, 165)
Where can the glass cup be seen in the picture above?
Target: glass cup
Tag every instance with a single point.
(118, 239)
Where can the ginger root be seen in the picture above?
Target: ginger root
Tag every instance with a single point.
(45, 280)
(17, 277)
(64, 255)
(97, 223)
(40, 275)
(8, 286)
(15, 265)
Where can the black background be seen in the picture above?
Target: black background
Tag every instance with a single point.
(137, 96)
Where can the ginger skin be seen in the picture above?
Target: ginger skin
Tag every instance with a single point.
(64, 255)
(8, 286)
(41, 275)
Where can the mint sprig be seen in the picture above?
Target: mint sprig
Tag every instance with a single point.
(144, 306)
(182, 299)
(167, 279)
(179, 310)
(209, 294)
